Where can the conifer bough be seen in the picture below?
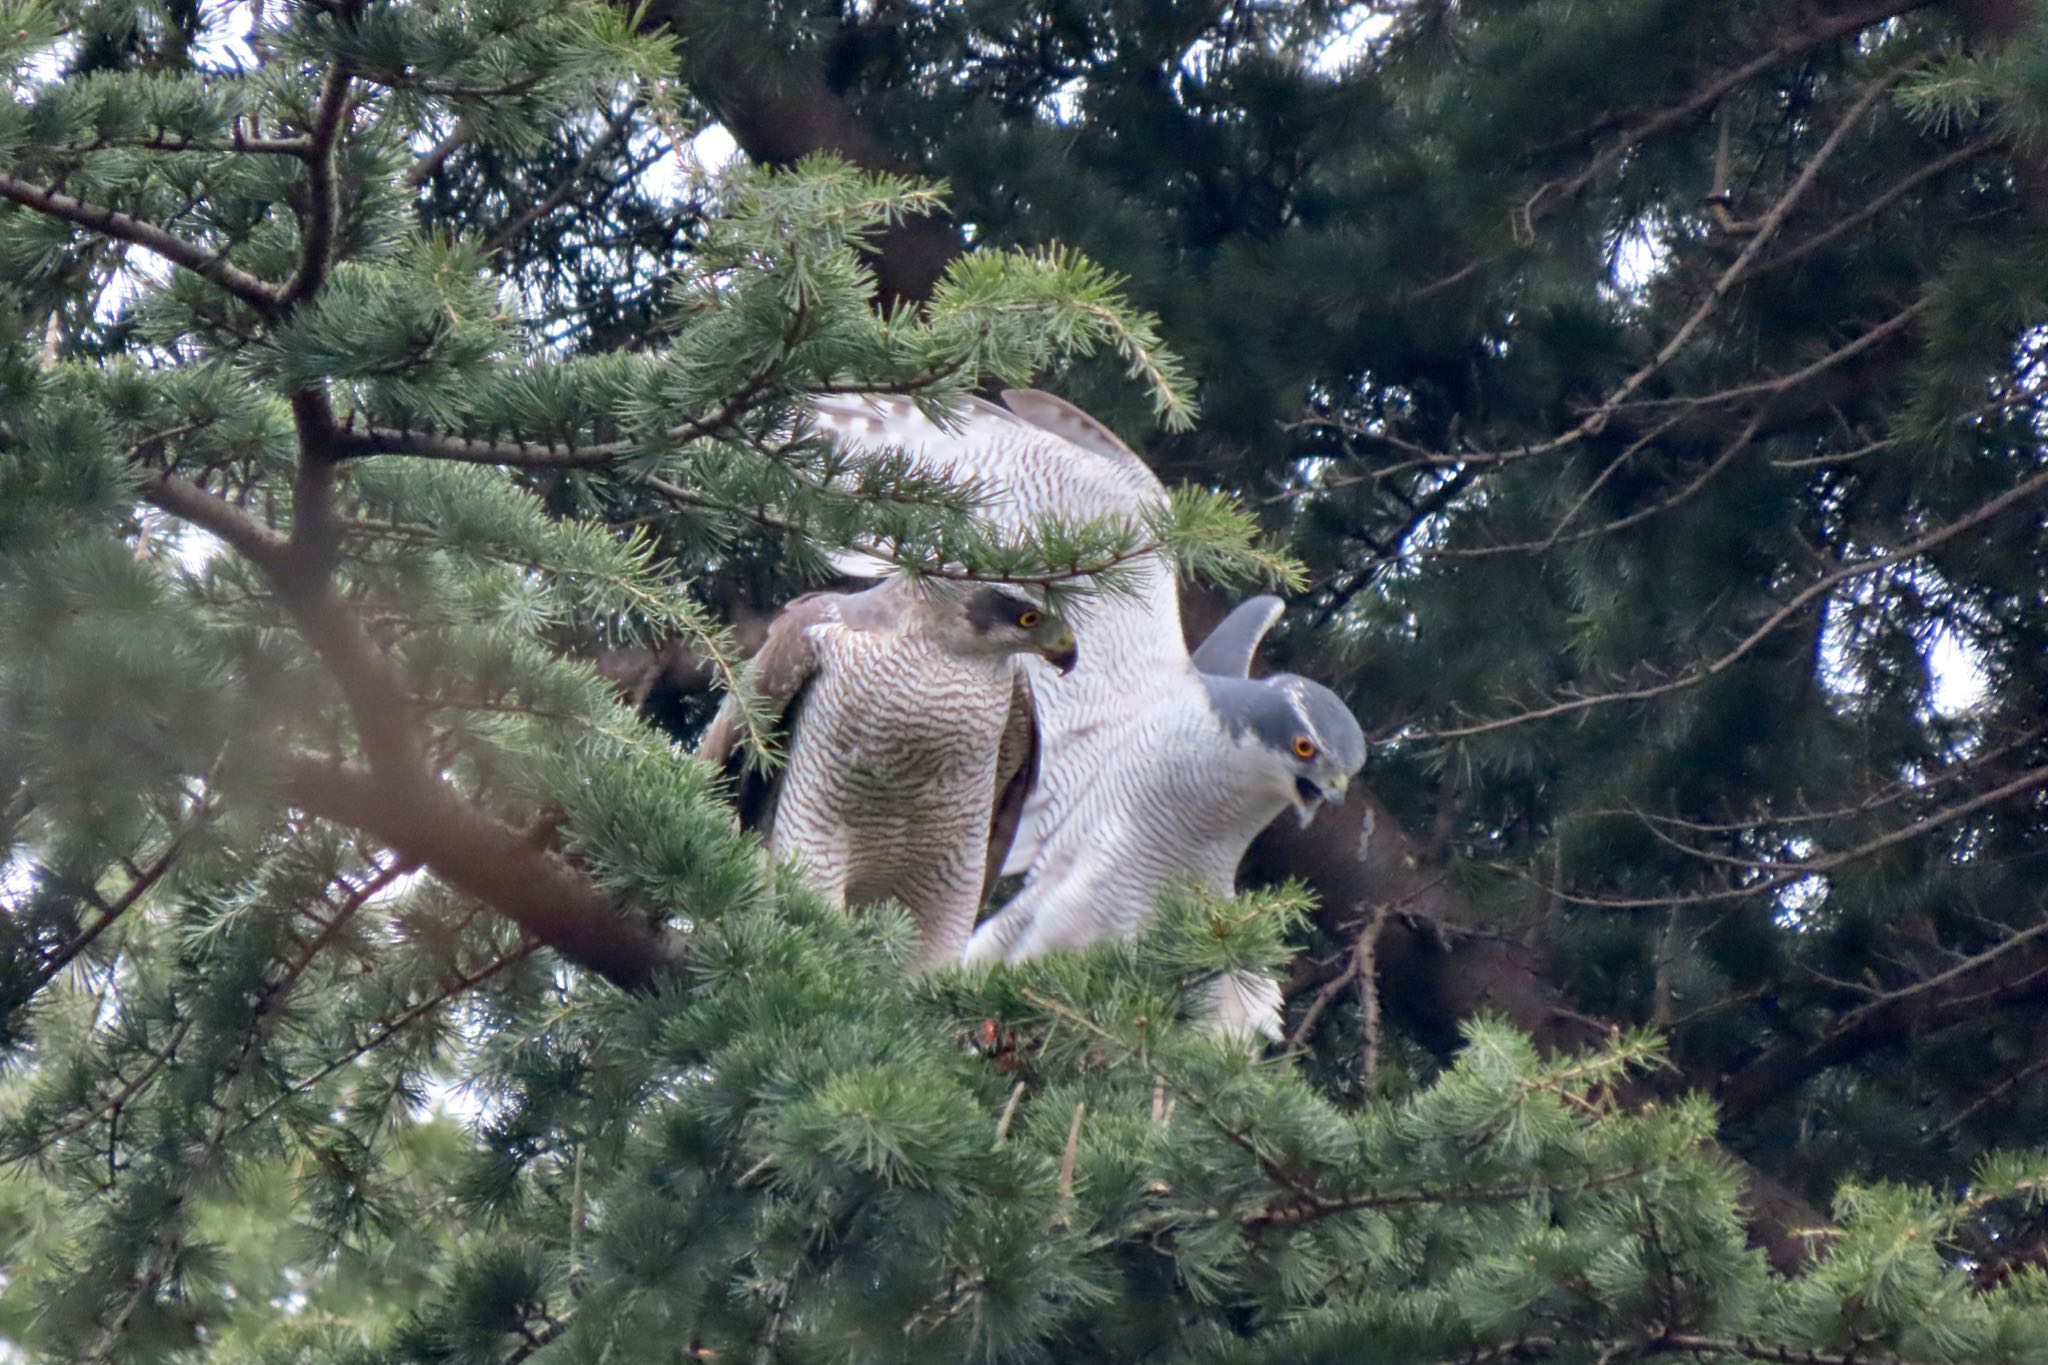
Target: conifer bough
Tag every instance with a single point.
(415, 395)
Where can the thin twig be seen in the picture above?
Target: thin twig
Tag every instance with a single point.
(562, 188)
(1827, 583)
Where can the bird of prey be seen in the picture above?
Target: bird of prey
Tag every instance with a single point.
(1205, 771)
(900, 704)
(1153, 766)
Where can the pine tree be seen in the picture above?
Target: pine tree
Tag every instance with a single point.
(1647, 390)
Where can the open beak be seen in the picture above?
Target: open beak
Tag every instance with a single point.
(1063, 655)
(1311, 796)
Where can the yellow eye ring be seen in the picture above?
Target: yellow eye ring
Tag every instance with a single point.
(1029, 620)
(1304, 747)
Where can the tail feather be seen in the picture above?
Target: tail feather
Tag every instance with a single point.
(1244, 1006)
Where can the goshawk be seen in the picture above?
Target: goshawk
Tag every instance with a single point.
(900, 704)
(1150, 768)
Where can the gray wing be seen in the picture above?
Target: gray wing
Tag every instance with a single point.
(1229, 649)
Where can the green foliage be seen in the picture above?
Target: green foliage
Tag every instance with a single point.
(428, 403)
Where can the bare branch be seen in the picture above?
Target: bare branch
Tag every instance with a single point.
(1899, 189)
(255, 542)
(1780, 383)
(1552, 194)
(2002, 973)
(1785, 874)
(1298, 1213)
(360, 442)
(323, 199)
(562, 188)
(1813, 592)
(236, 142)
(422, 170)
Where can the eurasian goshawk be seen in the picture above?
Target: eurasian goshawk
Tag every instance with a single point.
(901, 705)
(1150, 769)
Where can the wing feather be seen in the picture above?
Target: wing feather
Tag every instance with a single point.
(1017, 757)
(1229, 650)
(776, 674)
(1059, 464)
(1063, 419)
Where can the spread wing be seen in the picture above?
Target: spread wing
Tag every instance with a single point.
(1047, 460)
(1069, 423)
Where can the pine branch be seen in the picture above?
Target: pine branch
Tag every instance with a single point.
(236, 142)
(1655, 825)
(1766, 230)
(376, 695)
(429, 823)
(210, 512)
(110, 912)
(1595, 420)
(1553, 194)
(1778, 384)
(356, 443)
(1782, 874)
(1999, 975)
(1299, 1213)
(1805, 598)
(423, 170)
(323, 189)
(563, 187)
(1740, 442)
(1887, 795)
(1433, 973)
(398, 800)
(1898, 190)
(384, 1033)
(781, 108)
(1748, 1348)
(195, 1162)
(212, 267)
(114, 1104)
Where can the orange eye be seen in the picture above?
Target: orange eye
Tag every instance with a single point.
(1304, 747)
(1029, 620)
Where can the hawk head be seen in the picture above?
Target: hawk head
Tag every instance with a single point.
(1308, 741)
(1003, 621)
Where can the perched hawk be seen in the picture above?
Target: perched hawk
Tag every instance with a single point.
(1150, 768)
(898, 703)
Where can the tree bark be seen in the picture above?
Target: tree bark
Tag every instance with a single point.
(780, 108)
(428, 824)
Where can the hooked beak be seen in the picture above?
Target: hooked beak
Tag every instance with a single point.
(1311, 796)
(1063, 654)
